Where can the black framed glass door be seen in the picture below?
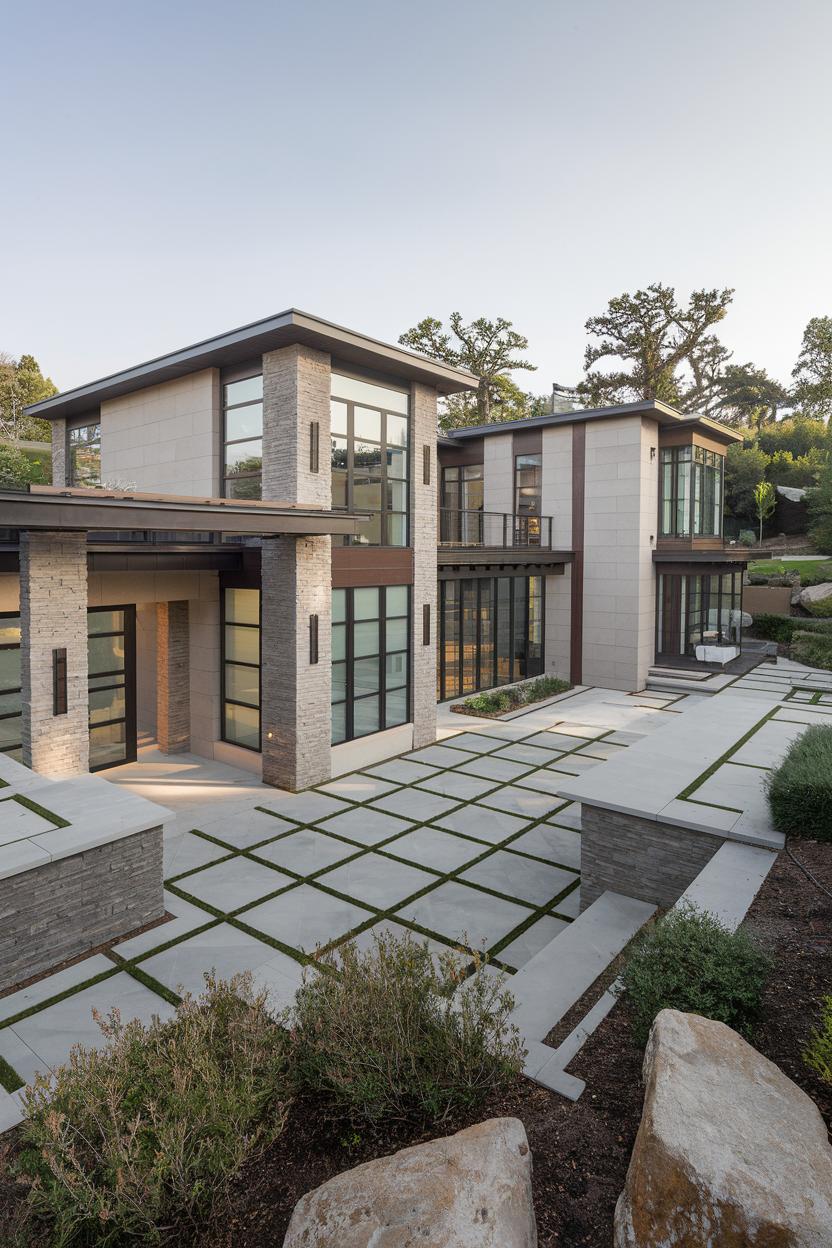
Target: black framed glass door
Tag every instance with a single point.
(111, 648)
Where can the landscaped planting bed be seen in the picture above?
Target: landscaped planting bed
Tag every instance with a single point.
(580, 1151)
(497, 702)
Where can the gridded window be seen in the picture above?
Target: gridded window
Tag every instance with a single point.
(241, 667)
(528, 474)
(10, 707)
(696, 611)
(490, 633)
(370, 454)
(370, 660)
(85, 455)
(691, 487)
(461, 514)
(243, 438)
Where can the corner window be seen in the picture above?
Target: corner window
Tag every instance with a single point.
(691, 484)
(370, 660)
(243, 438)
(85, 456)
(241, 667)
(370, 458)
(11, 723)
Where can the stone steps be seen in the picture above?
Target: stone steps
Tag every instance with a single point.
(547, 987)
(668, 680)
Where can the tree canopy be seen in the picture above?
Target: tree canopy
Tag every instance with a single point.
(22, 383)
(813, 371)
(659, 347)
(489, 350)
(748, 396)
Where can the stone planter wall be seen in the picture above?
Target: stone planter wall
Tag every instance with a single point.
(69, 905)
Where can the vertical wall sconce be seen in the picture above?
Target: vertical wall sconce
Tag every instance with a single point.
(426, 464)
(426, 624)
(59, 696)
(314, 446)
(313, 639)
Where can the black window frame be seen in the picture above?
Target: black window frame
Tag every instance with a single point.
(225, 701)
(704, 513)
(12, 690)
(523, 665)
(528, 518)
(348, 624)
(227, 407)
(119, 678)
(692, 597)
(385, 478)
(72, 445)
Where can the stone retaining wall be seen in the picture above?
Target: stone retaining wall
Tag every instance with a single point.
(72, 904)
(639, 857)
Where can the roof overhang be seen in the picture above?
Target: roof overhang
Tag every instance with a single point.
(53, 508)
(240, 345)
(665, 416)
(702, 561)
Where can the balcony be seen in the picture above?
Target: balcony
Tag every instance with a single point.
(494, 530)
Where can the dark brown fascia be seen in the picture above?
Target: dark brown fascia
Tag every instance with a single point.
(653, 409)
(284, 329)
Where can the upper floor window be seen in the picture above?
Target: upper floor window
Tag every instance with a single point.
(460, 518)
(85, 455)
(528, 478)
(691, 492)
(243, 438)
(370, 444)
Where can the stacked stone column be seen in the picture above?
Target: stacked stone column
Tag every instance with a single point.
(53, 614)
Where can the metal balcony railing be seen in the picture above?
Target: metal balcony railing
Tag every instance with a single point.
(494, 529)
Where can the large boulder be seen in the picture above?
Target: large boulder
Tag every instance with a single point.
(815, 593)
(729, 1153)
(469, 1190)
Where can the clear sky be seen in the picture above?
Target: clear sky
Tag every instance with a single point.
(174, 169)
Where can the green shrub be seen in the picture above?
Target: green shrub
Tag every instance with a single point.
(800, 790)
(689, 961)
(821, 610)
(145, 1132)
(382, 1039)
(812, 648)
(499, 700)
(818, 1056)
(783, 627)
(747, 537)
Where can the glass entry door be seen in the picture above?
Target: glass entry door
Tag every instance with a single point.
(111, 646)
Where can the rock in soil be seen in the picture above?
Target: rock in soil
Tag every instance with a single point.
(469, 1190)
(729, 1152)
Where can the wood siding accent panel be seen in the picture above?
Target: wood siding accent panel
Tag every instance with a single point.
(468, 452)
(358, 567)
(691, 437)
(577, 604)
(527, 441)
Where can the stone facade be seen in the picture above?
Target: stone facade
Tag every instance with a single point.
(296, 392)
(639, 857)
(72, 904)
(173, 703)
(423, 540)
(295, 693)
(53, 611)
(59, 464)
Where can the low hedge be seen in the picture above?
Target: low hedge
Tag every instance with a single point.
(800, 790)
(782, 628)
(812, 648)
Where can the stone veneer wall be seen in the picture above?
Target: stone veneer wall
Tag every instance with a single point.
(53, 613)
(73, 904)
(59, 465)
(423, 541)
(173, 703)
(296, 391)
(640, 858)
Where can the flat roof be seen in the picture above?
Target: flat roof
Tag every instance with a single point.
(52, 507)
(236, 346)
(663, 413)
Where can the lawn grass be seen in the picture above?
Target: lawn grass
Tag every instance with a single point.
(779, 567)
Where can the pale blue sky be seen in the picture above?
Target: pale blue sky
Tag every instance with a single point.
(176, 169)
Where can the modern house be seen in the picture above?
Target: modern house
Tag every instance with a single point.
(255, 549)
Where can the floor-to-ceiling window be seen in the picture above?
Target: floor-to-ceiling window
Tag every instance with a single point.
(11, 723)
(370, 457)
(241, 667)
(461, 508)
(490, 632)
(370, 660)
(242, 439)
(528, 483)
(111, 652)
(696, 611)
(691, 492)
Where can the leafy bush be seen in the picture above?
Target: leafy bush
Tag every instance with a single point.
(812, 648)
(821, 610)
(499, 700)
(747, 537)
(782, 628)
(146, 1132)
(800, 790)
(382, 1039)
(818, 1056)
(689, 961)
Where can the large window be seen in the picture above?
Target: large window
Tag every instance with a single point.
(241, 667)
(698, 610)
(243, 438)
(370, 446)
(691, 484)
(490, 633)
(85, 455)
(461, 514)
(370, 660)
(10, 709)
(111, 658)
(528, 473)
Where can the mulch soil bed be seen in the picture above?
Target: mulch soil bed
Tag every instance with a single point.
(580, 1151)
